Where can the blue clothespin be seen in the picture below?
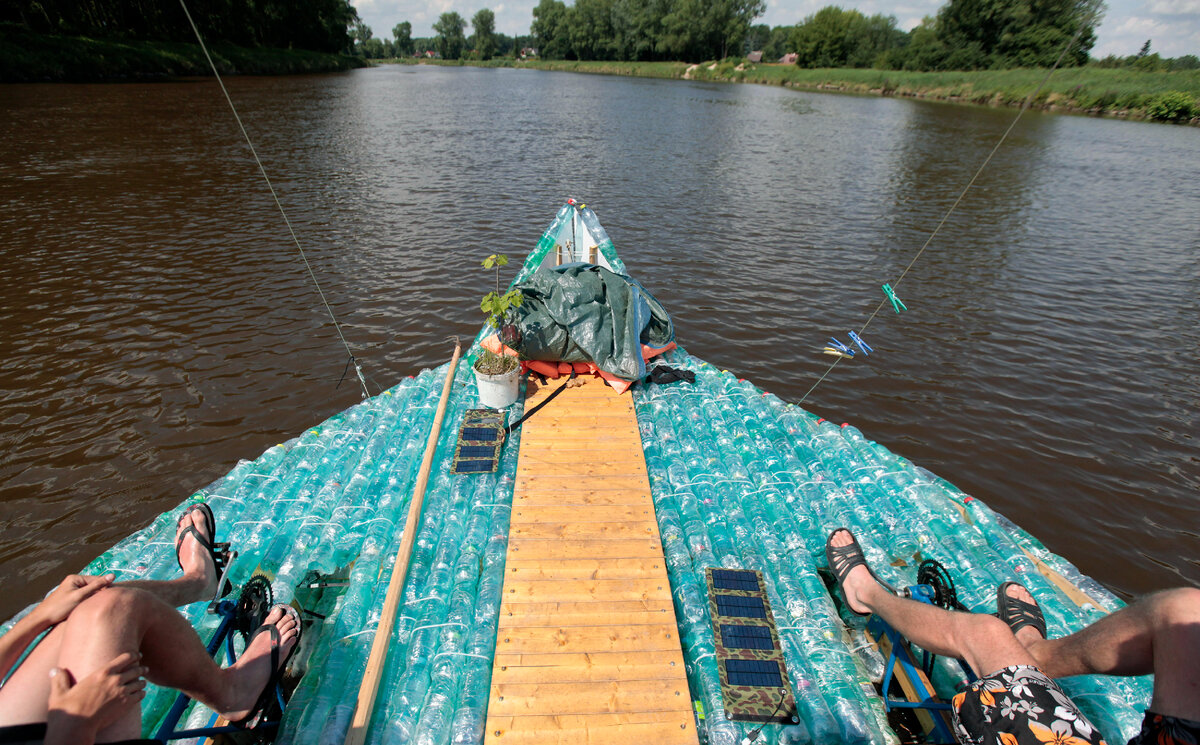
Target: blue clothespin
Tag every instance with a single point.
(861, 344)
(897, 304)
(845, 350)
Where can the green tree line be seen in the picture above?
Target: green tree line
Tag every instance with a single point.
(317, 25)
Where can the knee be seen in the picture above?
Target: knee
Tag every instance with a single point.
(980, 630)
(113, 605)
(1176, 609)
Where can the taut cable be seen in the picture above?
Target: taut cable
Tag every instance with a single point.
(337, 327)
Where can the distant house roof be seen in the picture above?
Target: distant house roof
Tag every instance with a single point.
(754, 57)
(789, 58)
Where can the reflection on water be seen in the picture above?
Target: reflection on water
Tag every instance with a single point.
(158, 325)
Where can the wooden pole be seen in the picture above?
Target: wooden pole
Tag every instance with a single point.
(369, 689)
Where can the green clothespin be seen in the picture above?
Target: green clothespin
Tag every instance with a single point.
(897, 304)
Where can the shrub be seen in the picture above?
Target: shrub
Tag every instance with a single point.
(1172, 106)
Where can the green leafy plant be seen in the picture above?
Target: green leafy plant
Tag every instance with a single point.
(498, 310)
(1172, 106)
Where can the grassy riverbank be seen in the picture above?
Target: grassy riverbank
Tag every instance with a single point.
(28, 57)
(1172, 96)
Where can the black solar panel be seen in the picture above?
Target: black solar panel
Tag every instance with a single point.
(477, 451)
(480, 434)
(746, 637)
(753, 673)
(731, 579)
(474, 466)
(740, 607)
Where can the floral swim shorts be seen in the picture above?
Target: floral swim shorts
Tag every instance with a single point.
(1018, 705)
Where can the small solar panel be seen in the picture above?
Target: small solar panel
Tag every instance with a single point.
(474, 466)
(740, 607)
(746, 637)
(477, 451)
(480, 434)
(754, 673)
(729, 579)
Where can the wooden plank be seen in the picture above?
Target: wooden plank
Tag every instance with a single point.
(589, 697)
(606, 469)
(565, 483)
(580, 497)
(515, 617)
(599, 590)
(924, 716)
(586, 530)
(679, 730)
(611, 450)
(599, 666)
(588, 648)
(553, 549)
(529, 570)
(599, 513)
(587, 639)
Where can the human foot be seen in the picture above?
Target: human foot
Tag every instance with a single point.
(852, 572)
(1017, 607)
(200, 559)
(252, 679)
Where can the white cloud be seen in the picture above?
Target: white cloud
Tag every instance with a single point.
(1175, 7)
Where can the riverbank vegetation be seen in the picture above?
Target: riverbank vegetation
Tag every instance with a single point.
(96, 40)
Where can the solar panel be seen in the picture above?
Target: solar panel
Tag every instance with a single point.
(749, 655)
(479, 441)
(754, 673)
(731, 579)
(480, 434)
(477, 451)
(741, 607)
(746, 637)
(474, 466)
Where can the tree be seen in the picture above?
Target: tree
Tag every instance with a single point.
(484, 38)
(1145, 50)
(402, 37)
(451, 39)
(550, 28)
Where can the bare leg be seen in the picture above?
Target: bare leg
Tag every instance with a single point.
(199, 580)
(985, 642)
(1158, 634)
(122, 619)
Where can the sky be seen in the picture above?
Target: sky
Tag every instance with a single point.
(1172, 25)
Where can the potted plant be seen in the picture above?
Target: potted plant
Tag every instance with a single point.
(497, 374)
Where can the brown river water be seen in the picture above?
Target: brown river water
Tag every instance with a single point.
(157, 323)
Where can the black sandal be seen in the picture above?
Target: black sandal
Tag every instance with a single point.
(1017, 613)
(219, 552)
(255, 717)
(844, 558)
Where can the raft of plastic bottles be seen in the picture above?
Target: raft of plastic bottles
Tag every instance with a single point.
(739, 479)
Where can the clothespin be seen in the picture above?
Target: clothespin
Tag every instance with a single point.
(860, 343)
(838, 349)
(897, 304)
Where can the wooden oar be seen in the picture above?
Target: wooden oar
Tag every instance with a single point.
(387, 619)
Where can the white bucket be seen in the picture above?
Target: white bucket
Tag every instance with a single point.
(498, 391)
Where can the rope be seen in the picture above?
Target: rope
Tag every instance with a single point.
(261, 169)
(962, 194)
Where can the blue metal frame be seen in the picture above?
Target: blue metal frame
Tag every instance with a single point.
(902, 654)
(227, 609)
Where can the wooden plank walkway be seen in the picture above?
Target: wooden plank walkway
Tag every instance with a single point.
(588, 648)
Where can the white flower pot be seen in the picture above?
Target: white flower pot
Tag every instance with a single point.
(498, 391)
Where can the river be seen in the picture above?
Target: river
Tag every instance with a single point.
(158, 323)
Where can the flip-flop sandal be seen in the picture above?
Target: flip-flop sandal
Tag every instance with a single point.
(254, 718)
(219, 552)
(1017, 613)
(844, 558)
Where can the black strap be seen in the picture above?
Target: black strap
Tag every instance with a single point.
(508, 430)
